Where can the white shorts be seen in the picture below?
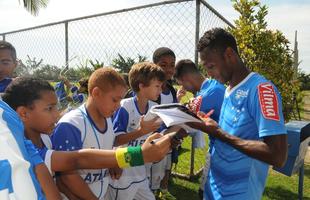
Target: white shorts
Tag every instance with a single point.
(156, 171)
(137, 191)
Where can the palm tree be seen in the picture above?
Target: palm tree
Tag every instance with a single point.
(33, 6)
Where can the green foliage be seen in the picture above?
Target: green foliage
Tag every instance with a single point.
(83, 69)
(34, 67)
(304, 80)
(123, 65)
(33, 6)
(265, 51)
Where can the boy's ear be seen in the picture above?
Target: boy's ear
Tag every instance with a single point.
(15, 64)
(141, 85)
(95, 92)
(22, 112)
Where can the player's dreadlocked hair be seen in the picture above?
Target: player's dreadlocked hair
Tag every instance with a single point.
(217, 38)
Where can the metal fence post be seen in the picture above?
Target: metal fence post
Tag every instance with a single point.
(66, 46)
(3, 37)
(192, 167)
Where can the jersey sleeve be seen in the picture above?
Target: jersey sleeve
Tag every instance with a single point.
(267, 109)
(212, 100)
(66, 137)
(33, 153)
(120, 121)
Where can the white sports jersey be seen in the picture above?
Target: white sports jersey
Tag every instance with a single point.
(125, 121)
(167, 98)
(17, 159)
(76, 130)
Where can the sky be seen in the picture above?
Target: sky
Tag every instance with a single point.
(284, 15)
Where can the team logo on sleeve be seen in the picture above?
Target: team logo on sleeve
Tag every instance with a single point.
(268, 101)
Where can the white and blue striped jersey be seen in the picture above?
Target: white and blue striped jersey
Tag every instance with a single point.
(76, 130)
(126, 120)
(251, 110)
(18, 158)
(167, 97)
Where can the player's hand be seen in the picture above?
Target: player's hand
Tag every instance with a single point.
(177, 133)
(156, 147)
(149, 126)
(115, 173)
(207, 125)
(181, 93)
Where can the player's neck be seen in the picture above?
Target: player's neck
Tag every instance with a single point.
(142, 102)
(95, 115)
(34, 136)
(200, 79)
(239, 75)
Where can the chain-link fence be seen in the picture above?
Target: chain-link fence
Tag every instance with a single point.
(176, 24)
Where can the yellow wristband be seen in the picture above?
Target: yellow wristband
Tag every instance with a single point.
(121, 154)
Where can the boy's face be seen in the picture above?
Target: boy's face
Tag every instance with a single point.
(152, 91)
(186, 81)
(7, 64)
(167, 63)
(42, 116)
(109, 101)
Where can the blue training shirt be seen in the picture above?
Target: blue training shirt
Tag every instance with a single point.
(18, 158)
(212, 93)
(4, 84)
(251, 110)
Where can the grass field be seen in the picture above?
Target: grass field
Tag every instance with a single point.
(279, 187)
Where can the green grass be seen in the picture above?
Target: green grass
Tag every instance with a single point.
(278, 187)
(305, 105)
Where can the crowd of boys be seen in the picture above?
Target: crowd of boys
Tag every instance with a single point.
(103, 148)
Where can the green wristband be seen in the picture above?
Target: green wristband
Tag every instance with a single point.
(136, 157)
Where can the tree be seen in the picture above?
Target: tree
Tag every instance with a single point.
(123, 65)
(304, 80)
(33, 6)
(265, 51)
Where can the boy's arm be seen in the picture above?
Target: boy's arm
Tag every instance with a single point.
(66, 191)
(47, 183)
(97, 158)
(144, 128)
(77, 185)
(43, 175)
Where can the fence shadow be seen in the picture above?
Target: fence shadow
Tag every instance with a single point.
(280, 193)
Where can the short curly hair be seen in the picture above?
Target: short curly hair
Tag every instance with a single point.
(23, 91)
(217, 38)
(143, 73)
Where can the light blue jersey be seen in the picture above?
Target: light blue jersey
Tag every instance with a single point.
(251, 110)
(212, 93)
(17, 159)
